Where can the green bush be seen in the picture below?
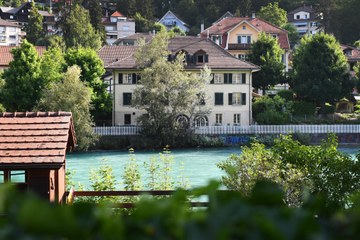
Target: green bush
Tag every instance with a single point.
(268, 110)
(303, 108)
(288, 95)
(327, 109)
(261, 215)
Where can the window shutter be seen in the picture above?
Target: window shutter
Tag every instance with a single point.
(188, 58)
(120, 78)
(243, 98)
(206, 58)
(193, 59)
(248, 39)
(212, 78)
(134, 78)
(225, 78)
(243, 78)
(169, 57)
(230, 98)
(230, 78)
(138, 78)
(219, 99)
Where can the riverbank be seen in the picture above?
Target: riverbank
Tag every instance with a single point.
(211, 141)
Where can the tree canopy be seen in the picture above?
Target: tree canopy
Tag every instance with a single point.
(166, 92)
(74, 96)
(34, 28)
(274, 14)
(320, 70)
(77, 29)
(266, 53)
(23, 85)
(92, 69)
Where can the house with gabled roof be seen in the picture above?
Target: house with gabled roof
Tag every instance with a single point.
(33, 148)
(306, 20)
(117, 26)
(229, 94)
(170, 20)
(353, 56)
(235, 35)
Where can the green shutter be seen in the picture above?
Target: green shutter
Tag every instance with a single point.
(230, 98)
(134, 78)
(243, 78)
(120, 80)
(243, 99)
(230, 78)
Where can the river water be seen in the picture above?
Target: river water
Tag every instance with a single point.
(198, 166)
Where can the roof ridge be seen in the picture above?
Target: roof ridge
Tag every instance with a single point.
(35, 114)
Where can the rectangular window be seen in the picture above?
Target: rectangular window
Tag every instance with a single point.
(127, 119)
(237, 119)
(239, 78)
(218, 118)
(218, 78)
(2, 29)
(244, 39)
(236, 98)
(127, 78)
(127, 99)
(200, 58)
(227, 78)
(219, 98)
(243, 57)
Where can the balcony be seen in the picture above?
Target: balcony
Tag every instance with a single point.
(239, 46)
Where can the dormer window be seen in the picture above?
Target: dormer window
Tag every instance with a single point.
(201, 57)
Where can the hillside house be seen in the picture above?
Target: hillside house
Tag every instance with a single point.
(170, 20)
(306, 20)
(10, 33)
(118, 26)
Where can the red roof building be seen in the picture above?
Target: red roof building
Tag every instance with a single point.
(6, 57)
(33, 148)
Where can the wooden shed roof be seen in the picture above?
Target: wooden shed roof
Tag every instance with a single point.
(35, 137)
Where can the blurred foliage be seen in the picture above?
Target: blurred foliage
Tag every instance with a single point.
(267, 110)
(261, 215)
(299, 169)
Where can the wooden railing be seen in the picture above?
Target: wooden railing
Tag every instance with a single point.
(252, 129)
(71, 196)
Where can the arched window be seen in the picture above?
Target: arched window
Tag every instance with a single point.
(201, 121)
(183, 120)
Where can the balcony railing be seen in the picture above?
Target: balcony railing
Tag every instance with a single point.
(239, 46)
(252, 129)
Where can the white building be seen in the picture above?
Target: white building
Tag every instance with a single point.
(306, 20)
(10, 33)
(118, 26)
(170, 20)
(228, 96)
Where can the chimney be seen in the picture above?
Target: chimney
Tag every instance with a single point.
(202, 28)
(253, 15)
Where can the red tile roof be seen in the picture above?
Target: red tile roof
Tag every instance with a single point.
(227, 24)
(218, 57)
(6, 56)
(117, 14)
(35, 137)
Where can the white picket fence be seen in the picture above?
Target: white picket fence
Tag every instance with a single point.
(252, 129)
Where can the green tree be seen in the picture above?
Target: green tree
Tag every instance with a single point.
(52, 70)
(34, 29)
(320, 70)
(23, 85)
(274, 14)
(166, 91)
(142, 24)
(266, 53)
(74, 96)
(293, 34)
(271, 111)
(95, 12)
(92, 69)
(77, 29)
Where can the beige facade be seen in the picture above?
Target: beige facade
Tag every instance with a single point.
(228, 103)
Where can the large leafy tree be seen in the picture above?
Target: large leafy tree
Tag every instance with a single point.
(320, 70)
(274, 14)
(266, 53)
(34, 28)
(166, 91)
(23, 85)
(74, 96)
(52, 70)
(77, 29)
(92, 69)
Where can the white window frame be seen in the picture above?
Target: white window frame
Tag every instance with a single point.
(237, 118)
(237, 78)
(218, 78)
(127, 78)
(218, 118)
(236, 98)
